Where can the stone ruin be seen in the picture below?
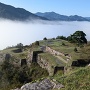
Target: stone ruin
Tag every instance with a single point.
(54, 52)
(35, 57)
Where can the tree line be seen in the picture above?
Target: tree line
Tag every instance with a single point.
(79, 37)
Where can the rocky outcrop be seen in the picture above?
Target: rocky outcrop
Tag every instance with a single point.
(45, 84)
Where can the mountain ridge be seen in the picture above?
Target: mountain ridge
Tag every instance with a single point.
(13, 13)
(58, 17)
(21, 14)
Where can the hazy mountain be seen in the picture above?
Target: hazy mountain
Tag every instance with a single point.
(87, 18)
(56, 16)
(12, 13)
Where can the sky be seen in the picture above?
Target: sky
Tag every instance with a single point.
(64, 7)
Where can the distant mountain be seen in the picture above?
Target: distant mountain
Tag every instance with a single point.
(87, 18)
(58, 17)
(12, 13)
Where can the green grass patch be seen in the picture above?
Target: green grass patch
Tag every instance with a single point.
(54, 61)
(77, 80)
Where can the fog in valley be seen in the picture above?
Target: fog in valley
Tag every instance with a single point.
(12, 32)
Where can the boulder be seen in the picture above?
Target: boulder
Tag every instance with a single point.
(45, 84)
(29, 86)
(16, 89)
(89, 65)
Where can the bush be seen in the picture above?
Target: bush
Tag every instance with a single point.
(45, 38)
(17, 76)
(37, 43)
(63, 44)
(19, 45)
(75, 49)
(53, 38)
(61, 37)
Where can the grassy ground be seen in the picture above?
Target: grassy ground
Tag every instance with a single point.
(68, 48)
(77, 80)
(19, 55)
(54, 61)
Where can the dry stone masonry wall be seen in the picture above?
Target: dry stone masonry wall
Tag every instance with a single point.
(44, 64)
(54, 52)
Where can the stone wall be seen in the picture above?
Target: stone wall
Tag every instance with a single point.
(29, 58)
(35, 57)
(44, 64)
(54, 52)
(50, 50)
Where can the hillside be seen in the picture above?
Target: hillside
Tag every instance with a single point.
(51, 59)
(77, 80)
(57, 17)
(12, 13)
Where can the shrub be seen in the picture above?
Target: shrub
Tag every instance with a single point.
(37, 43)
(45, 38)
(75, 49)
(17, 76)
(63, 44)
(61, 37)
(19, 45)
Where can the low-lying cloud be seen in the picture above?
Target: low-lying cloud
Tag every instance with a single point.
(12, 32)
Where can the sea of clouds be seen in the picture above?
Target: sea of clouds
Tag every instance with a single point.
(13, 32)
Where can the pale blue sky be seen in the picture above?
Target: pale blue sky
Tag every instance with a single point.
(65, 7)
